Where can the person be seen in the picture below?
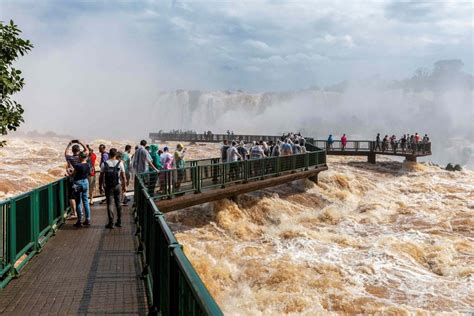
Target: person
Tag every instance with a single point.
(286, 149)
(343, 141)
(385, 143)
(233, 153)
(82, 170)
(166, 160)
(224, 149)
(266, 149)
(276, 149)
(330, 142)
(243, 152)
(303, 146)
(155, 156)
(92, 180)
(126, 165)
(104, 155)
(426, 140)
(256, 152)
(377, 142)
(71, 161)
(179, 164)
(296, 148)
(403, 143)
(112, 182)
(394, 143)
(142, 160)
(233, 156)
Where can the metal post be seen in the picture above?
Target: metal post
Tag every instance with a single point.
(198, 179)
(173, 282)
(12, 237)
(50, 206)
(34, 218)
(62, 202)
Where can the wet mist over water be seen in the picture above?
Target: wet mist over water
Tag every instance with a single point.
(361, 111)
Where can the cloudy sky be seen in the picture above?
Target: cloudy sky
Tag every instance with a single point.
(250, 45)
(94, 59)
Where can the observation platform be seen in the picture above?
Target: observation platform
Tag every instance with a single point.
(366, 148)
(91, 270)
(48, 266)
(207, 180)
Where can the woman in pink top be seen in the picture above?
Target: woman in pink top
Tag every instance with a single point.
(343, 141)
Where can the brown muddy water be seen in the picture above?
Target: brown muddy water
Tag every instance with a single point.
(392, 238)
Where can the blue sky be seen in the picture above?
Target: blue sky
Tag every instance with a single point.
(250, 45)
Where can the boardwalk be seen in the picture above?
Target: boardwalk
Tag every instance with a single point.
(353, 148)
(81, 271)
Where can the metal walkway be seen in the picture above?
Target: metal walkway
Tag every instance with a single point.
(81, 271)
(353, 147)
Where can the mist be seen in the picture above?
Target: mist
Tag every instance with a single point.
(360, 110)
(121, 71)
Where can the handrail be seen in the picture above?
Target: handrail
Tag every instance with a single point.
(194, 178)
(173, 286)
(27, 221)
(368, 146)
(421, 148)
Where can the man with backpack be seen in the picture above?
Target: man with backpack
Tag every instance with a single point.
(112, 178)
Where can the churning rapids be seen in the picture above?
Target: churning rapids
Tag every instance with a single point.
(390, 238)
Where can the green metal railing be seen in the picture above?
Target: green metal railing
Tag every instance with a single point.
(173, 286)
(26, 223)
(370, 146)
(212, 173)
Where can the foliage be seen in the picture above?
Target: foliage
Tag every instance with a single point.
(11, 82)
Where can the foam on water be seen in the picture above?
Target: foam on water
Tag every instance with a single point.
(368, 239)
(390, 238)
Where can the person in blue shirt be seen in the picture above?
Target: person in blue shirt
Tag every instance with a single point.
(330, 142)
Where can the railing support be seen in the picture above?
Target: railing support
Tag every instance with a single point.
(371, 157)
(12, 238)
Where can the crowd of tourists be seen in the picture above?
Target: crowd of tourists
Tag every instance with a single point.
(408, 142)
(288, 144)
(116, 170)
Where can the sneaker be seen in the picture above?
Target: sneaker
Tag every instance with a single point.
(118, 224)
(87, 222)
(77, 224)
(109, 226)
(124, 203)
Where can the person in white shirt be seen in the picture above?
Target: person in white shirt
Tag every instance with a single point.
(233, 156)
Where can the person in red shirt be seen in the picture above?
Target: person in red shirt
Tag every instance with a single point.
(344, 141)
(91, 178)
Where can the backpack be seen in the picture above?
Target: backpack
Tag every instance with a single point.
(111, 175)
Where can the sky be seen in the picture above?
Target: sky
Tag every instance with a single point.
(98, 56)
